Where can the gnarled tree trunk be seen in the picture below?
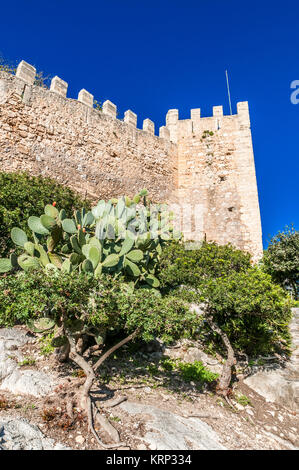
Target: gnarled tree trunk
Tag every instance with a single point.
(226, 375)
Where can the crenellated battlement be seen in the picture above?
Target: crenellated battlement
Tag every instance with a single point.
(27, 73)
(182, 128)
(204, 162)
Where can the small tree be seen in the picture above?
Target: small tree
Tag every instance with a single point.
(78, 307)
(247, 310)
(251, 309)
(281, 259)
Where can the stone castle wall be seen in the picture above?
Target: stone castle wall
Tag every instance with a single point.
(43, 132)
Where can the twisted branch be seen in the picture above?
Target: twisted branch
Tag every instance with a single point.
(226, 375)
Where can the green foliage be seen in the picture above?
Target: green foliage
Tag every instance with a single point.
(115, 418)
(98, 105)
(7, 67)
(5, 265)
(251, 309)
(86, 305)
(190, 371)
(243, 300)
(192, 267)
(197, 372)
(35, 295)
(27, 361)
(98, 273)
(242, 400)
(133, 236)
(46, 347)
(22, 196)
(168, 318)
(281, 259)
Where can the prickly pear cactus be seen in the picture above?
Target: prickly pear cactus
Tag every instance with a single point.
(53, 240)
(131, 233)
(122, 237)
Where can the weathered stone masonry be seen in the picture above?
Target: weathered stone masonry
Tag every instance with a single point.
(43, 132)
(216, 170)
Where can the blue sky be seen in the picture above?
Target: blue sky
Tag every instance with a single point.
(158, 55)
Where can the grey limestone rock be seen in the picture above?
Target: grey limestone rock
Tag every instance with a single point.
(19, 434)
(168, 431)
(12, 377)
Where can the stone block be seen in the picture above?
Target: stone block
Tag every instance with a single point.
(130, 118)
(217, 111)
(109, 108)
(149, 126)
(172, 117)
(243, 113)
(26, 72)
(195, 114)
(164, 133)
(59, 86)
(85, 97)
(242, 107)
(172, 121)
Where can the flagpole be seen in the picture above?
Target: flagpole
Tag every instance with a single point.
(228, 91)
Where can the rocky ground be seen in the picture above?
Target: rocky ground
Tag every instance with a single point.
(158, 409)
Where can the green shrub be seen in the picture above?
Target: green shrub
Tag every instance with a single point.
(166, 317)
(22, 196)
(95, 306)
(244, 301)
(252, 310)
(28, 296)
(46, 347)
(192, 267)
(190, 371)
(27, 361)
(281, 260)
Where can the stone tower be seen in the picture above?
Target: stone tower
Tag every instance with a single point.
(216, 174)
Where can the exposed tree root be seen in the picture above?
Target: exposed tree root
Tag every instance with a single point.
(93, 431)
(201, 416)
(85, 398)
(113, 403)
(229, 402)
(104, 423)
(69, 409)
